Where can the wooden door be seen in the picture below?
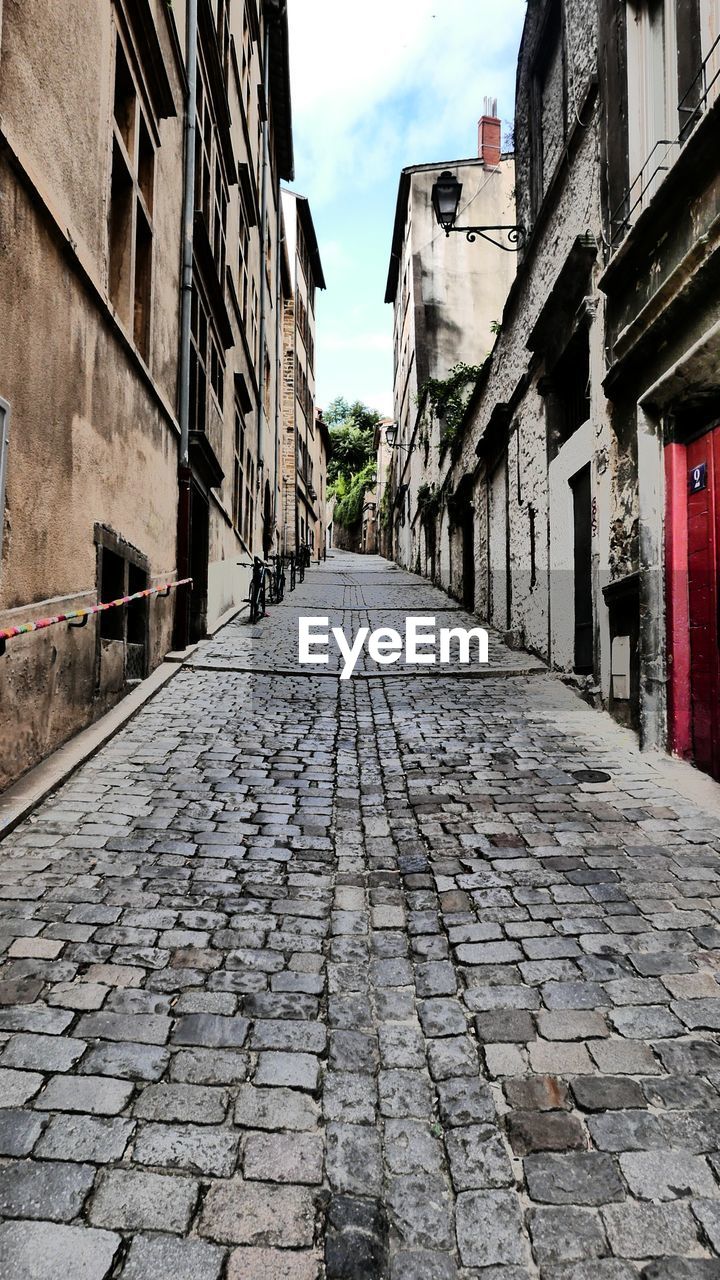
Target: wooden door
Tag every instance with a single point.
(703, 513)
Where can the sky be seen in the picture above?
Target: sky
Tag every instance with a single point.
(376, 86)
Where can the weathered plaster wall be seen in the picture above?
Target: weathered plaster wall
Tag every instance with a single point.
(94, 438)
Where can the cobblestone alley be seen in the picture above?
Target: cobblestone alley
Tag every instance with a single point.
(408, 976)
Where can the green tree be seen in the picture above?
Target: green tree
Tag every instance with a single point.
(351, 468)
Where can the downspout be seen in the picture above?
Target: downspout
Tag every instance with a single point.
(278, 356)
(263, 244)
(182, 613)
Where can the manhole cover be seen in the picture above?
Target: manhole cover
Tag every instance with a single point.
(590, 775)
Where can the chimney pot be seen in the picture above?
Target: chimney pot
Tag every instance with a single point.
(490, 135)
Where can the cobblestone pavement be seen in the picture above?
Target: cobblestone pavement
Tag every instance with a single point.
(406, 976)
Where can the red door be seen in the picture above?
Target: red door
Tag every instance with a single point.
(703, 542)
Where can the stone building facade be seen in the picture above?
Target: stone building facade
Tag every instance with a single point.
(581, 500)
(136, 449)
(447, 295)
(305, 436)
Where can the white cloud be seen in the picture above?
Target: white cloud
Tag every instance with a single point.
(351, 62)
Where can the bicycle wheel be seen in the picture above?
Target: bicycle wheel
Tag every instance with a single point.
(261, 600)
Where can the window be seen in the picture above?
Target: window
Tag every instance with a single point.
(207, 369)
(246, 64)
(249, 498)
(253, 325)
(130, 228)
(549, 105)
(211, 189)
(239, 469)
(122, 571)
(243, 265)
(569, 401)
(652, 94)
(223, 31)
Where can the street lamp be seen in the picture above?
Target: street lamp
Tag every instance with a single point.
(446, 193)
(391, 436)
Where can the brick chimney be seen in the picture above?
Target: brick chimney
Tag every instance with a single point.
(490, 135)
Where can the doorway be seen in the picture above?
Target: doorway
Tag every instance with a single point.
(693, 563)
(582, 570)
(199, 551)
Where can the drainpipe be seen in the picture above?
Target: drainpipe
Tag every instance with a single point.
(263, 241)
(278, 357)
(182, 612)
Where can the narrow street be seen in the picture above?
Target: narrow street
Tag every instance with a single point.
(408, 976)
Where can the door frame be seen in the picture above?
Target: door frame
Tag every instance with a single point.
(677, 599)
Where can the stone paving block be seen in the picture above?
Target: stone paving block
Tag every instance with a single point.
(35, 1017)
(288, 1070)
(538, 1093)
(201, 1149)
(349, 1096)
(490, 1230)
(566, 1235)
(275, 1109)
(290, 1035)
(210, 1030)
(54, 1190)
(18, 1087)
(607, 1093)
(273, 1264)
(85, 1138)
(155, 1257)
(681, 1269)
(505, 1025)
(126, 1060)
(545, 1131)
(463, 1102)
(478, 1158)
(624, 1057)
(257, 1213)
(19, 1131)
(441, 1017)
(47, 1250)
(707, 1213)
(78, 995)
(571, 1024)
(452, 1057)
(132, 1200)
(435, 978)
(401, 1045)
(505, 1060)
(411, 1146)
(209, 1066)
(284, 1157)
(419, 1211)
(36, 948)
(421, 1264)
(667, 1175)
(193, 1103)
(559, 1058)
(42, 1053)
(644, 1022)
(144, 1028)
(698, 1014)
(354, 1159)
(651, 1230)
(578, 1177)
(98, 1095)
(404, 1093)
